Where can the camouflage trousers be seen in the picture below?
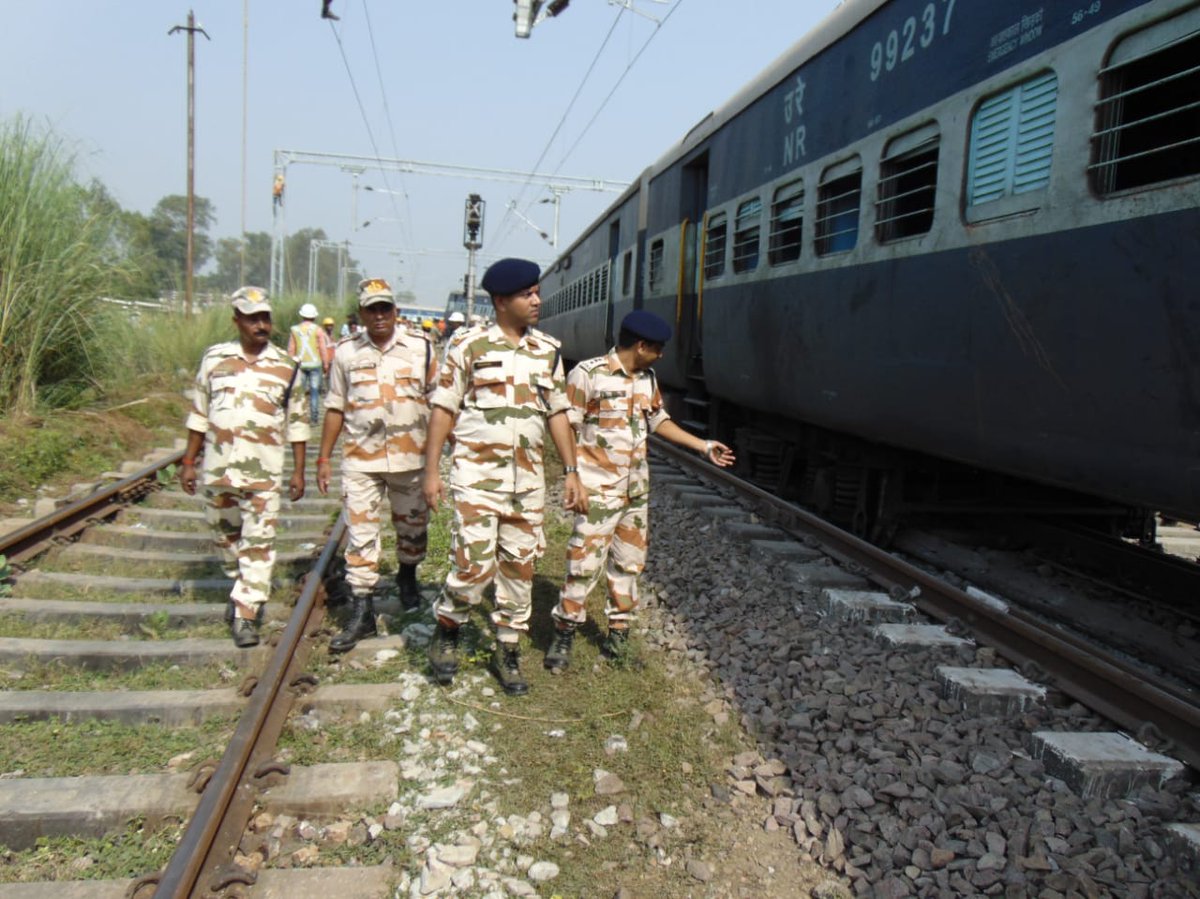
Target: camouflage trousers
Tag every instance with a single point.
(362, 496)
(612, 536)
(243, 523)
(495, 536)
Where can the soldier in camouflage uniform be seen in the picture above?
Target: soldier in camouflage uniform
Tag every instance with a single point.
(379, 381)
(244, 409)
(499, 389)
(615, 406)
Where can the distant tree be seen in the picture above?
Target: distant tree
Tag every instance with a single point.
(228, 257)
(164, 236)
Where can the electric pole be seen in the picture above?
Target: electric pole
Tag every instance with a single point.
(191, 30)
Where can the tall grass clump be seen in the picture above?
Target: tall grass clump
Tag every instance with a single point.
(152, 344)
(57, 258)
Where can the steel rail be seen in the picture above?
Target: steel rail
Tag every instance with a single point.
(32, 539)
(1129, 697)
(215, 829)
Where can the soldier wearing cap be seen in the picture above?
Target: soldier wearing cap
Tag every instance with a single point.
(615, 406)
(243, 412)
(378, 386)
(499, 389)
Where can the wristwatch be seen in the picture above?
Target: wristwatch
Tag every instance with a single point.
(570, 469)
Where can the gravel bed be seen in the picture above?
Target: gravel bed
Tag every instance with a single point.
(881, 779)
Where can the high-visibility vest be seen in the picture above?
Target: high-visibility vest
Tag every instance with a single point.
(308, 347)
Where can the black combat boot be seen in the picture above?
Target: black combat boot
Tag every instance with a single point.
(244, 631)
(506, 664)
(443, 654)
(360, 625)
(559, 656)
(616, 644)
(410, 593)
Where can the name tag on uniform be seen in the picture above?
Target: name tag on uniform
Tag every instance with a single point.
(487, 363)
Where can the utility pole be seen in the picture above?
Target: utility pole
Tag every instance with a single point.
(191, 30)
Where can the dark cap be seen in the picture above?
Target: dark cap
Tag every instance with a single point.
(509, 276)
(647, 326)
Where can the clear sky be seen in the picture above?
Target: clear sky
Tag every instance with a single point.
(444, 81)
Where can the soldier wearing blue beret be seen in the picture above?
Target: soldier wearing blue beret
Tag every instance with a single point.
(615, 406)
(500, 389)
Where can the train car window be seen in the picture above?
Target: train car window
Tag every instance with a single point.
(907, 185)
(1148, 116)
(787, 223)
(714, 245)
(746, 228)
(626, 273)
(839, 196)
(654, 276)
(1012, 139)
(602, 285)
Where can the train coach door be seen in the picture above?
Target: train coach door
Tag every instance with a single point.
(694, 201)
(614, 251)
(689, 307)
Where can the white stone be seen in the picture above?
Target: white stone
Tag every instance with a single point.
(607, 817)
(446, 797)
(540, 872)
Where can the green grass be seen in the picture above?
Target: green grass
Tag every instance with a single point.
(55, 749)
(34, 675)
(136, 850)
(153, 627)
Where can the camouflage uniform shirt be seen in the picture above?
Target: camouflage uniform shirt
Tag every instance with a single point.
(502, 395)
(238, 406)
(613, 412)
(382, 394)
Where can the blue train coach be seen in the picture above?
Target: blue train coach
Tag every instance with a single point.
(932, 230)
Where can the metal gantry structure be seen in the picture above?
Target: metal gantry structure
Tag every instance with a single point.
(358, 164)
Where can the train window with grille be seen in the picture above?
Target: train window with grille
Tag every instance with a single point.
(907, 185)
(655, 266)
(714, 245)
(1012, 140)
(787, 223)
(746, 229)
(839, 196)
(626, 273)
(1148, 116)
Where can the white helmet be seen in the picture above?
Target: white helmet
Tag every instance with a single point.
(457, 317)
(308, 310)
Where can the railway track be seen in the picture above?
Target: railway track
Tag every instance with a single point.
(830, 687)
(121, 591)
(1113, 686)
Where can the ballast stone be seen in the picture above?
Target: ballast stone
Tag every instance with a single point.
(988, 691)
(1101, 765)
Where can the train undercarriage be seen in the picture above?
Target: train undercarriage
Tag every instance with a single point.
(871, 489)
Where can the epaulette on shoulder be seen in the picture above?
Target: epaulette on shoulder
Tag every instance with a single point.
(546, 338)
(228, 348)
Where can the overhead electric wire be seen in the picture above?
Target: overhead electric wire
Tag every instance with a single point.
(603, 104)
(358, 99)
(405, 219)
(631, 64)
(562, 121)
